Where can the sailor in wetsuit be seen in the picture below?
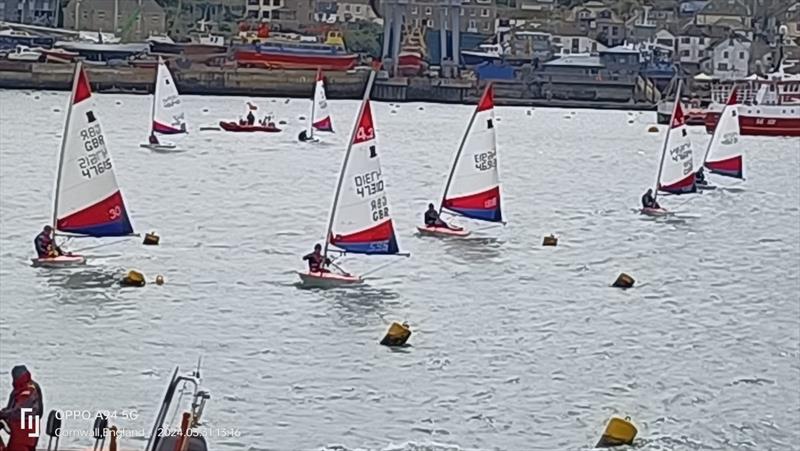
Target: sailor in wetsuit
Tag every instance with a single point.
(45, 245)
(317, 261)
(700, 177)
(432, 218)
(648, 201)
(251, 119)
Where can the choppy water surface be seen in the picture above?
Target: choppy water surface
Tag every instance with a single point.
(515, 346)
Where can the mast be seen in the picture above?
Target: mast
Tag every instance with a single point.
(666, 138)
(313, 106)
(375, 67)
(458, 154)
(75, 77)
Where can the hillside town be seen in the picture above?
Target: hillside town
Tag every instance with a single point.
(620, 51)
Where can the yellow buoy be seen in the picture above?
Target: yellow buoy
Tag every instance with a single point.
(618, 432)
(550, 240)
(133, 279)
(151, 239)
(397, 335)
(623, 281)
(159, 280)
(653, 129)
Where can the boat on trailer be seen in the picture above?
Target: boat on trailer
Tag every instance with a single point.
(360, 220)
(676, 174)
(472, 189)
(87, 201)
(167, 115)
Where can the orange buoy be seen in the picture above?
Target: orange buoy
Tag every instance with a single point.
(623, 281)
(550, 240)
(133, 279)
(151, 239)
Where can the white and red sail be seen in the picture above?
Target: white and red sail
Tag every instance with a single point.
(168, 115)
(361, 220)
(321, 115)
(724, 153)
(474, 185)
(677, 175)
(88, 200)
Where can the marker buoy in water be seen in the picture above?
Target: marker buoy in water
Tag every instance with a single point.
(618, 432)
(653, 129)
(159, 280)
(397, 335)
(550, 240)
(133, 279)
(151, 239)
(281, 122)
(623, 281)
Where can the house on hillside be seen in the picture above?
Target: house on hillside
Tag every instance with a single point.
(729, 11)
(595, 19)
(127, 19)
(729, 58)
(33, 12)
(575, 44)
(665, 38)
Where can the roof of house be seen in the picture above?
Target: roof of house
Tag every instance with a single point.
(726, 8)
(733, 36)
(708, 31)
(620, 49)
(575, 61)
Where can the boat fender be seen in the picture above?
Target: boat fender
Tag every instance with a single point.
(550, 240)
(652, 129)
(618, 432)
(397, 335)
(421, 108)
(159, 280)
(133, 279)
(282, 123)
(623, 281)
(301, 118)
(151, 239)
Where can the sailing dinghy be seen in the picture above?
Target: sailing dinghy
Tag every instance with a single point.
(87, 201)
(360, 222)
(676, 173)
(320, 118)
(167, 115)
(473, 186)
(724, 154)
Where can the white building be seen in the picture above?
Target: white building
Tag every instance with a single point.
(729, 58)
(263, 10)
(692, 46)
(570, 45)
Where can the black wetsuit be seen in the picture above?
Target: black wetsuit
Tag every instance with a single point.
(432, 219)
(700, 177)
(649, 202)
(250, 118)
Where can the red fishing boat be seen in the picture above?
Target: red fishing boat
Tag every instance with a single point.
(237, 127)
(291, 51)
(770, 107)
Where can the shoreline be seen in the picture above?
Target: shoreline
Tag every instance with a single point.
(297, 84)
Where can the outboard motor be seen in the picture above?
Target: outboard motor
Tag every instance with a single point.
(53, 429)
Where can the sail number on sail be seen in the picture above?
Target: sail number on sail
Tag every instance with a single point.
(98, 160)
(486, 160)
(683, 153)
(368, 184)
(171, 101)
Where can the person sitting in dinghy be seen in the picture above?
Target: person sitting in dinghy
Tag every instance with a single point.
(432, 218)
(648, 201)
(45, 245)
(316, 261)
(700, 177)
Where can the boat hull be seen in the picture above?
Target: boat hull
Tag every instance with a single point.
(764, 120)
(161, 148)
(328, 279)
(278, 60)
(62, 261)
(443, 232)
(410, 63)
(655, 212)
(234, 127)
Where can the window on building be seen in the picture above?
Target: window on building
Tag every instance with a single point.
(701, 53)
(85, 14)
(722, 66)
(276, 3)
(265, 2)
(252, 14)
(484, 12)
(155, 19)
(347, 7)
(605, 28)
(614, 31)
(358, 9)
(265, 14)
(685, 40)
(101, 15)
(487, 26)
(414, 10)
(741, 55)
(430, 23)
(685, 53)
(415, 22)
(472, 25)
(473, 13)
(428, 11)
(726, 54)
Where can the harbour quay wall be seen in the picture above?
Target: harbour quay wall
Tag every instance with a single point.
(205, 80)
